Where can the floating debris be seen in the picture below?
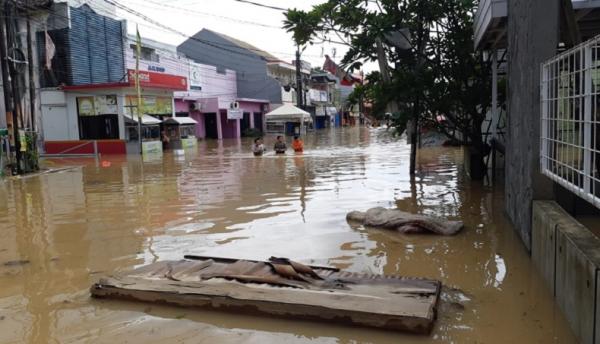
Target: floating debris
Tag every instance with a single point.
(16, 263)
(282, 287)
(404, 222)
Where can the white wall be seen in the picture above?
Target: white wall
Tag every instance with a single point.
(57, 122)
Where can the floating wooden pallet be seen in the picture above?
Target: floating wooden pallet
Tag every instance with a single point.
(282, 288)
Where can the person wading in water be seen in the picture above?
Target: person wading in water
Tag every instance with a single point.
(258, 148)
(297, 145)
(280, 146)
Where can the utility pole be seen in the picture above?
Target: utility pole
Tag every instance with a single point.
(138, 49)
(299, 93)
(32, 90)
(9, 85)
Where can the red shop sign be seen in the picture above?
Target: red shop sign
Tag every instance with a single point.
(158, 80)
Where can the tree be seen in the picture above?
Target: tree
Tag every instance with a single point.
(440, 74)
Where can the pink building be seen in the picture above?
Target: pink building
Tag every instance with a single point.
(211, 93)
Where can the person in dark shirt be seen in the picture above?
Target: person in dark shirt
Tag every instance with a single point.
(280, 146)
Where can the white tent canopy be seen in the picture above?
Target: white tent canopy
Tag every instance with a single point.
(288, 113)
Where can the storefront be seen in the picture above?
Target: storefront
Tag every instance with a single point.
(98, 118)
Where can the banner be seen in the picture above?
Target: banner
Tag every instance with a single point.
(152, 105)
(105, 105)
(85, 106)
(159, 80)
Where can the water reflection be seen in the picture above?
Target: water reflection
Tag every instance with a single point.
(99, 218)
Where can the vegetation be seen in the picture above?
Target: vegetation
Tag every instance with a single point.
(437, 73)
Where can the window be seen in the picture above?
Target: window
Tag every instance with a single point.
(570, 120)
(147, 54)
(187, 131)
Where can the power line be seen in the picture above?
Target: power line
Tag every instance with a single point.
(262, 5)
(188, 10)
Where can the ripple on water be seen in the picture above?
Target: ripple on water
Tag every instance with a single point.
(222, 201)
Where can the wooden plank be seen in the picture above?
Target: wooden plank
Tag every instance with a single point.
(395, 303)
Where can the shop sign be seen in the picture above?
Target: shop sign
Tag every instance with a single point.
(97, 105)
(195, 77)
(160, 80)
(156, 69)
(85, 106)
(150, 148)
(151, 105)
(189, 143)
(23, 140)
(235, 114)
(105, 105)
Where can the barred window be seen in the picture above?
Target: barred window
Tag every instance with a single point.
(570, 120)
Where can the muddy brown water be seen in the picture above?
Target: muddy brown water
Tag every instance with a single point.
(61, 231)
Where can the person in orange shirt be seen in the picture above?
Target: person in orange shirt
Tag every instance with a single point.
(297, 145)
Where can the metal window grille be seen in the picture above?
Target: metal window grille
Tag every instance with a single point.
(570, 120)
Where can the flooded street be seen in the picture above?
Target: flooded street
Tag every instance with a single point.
(64, 230)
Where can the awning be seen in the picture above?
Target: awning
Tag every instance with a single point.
(288, 113)
(180, 120)
(146, 119)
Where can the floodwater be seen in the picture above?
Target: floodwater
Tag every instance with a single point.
(76, 225)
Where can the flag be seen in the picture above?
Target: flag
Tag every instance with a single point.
(50, 51)
(138, 41)
(345, 78)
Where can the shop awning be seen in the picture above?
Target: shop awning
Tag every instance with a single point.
(146, 119)
(180, 120)
(288, 113)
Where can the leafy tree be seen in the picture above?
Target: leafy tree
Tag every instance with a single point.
(440, 74)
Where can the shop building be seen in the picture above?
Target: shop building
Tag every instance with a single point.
(256, 88)
(89, 100)
(211, 93)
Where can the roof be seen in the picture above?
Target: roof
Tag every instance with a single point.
(146, 119)
(180, 120)
(288, 112)
(265, 55)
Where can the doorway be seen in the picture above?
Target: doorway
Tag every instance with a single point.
(210, 123)
(99, 127)
(258, 121)
(245, 123)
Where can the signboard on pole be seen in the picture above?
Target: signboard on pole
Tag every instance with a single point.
(235, 114)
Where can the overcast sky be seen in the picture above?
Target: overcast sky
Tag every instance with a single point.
(258, 26)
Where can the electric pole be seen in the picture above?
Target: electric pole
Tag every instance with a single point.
(8, 80)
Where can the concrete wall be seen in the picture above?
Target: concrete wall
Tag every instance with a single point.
(169, 61)
(567, 255)
(214, 84)
(533, 38)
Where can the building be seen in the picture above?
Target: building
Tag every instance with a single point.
(324, 99)
(551, 179)
(211, 93)
(257, 88)
(89, 101)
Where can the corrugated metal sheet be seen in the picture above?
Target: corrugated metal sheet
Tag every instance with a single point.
(96, 52)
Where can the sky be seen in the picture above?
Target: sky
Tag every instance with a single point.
(256, 25)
